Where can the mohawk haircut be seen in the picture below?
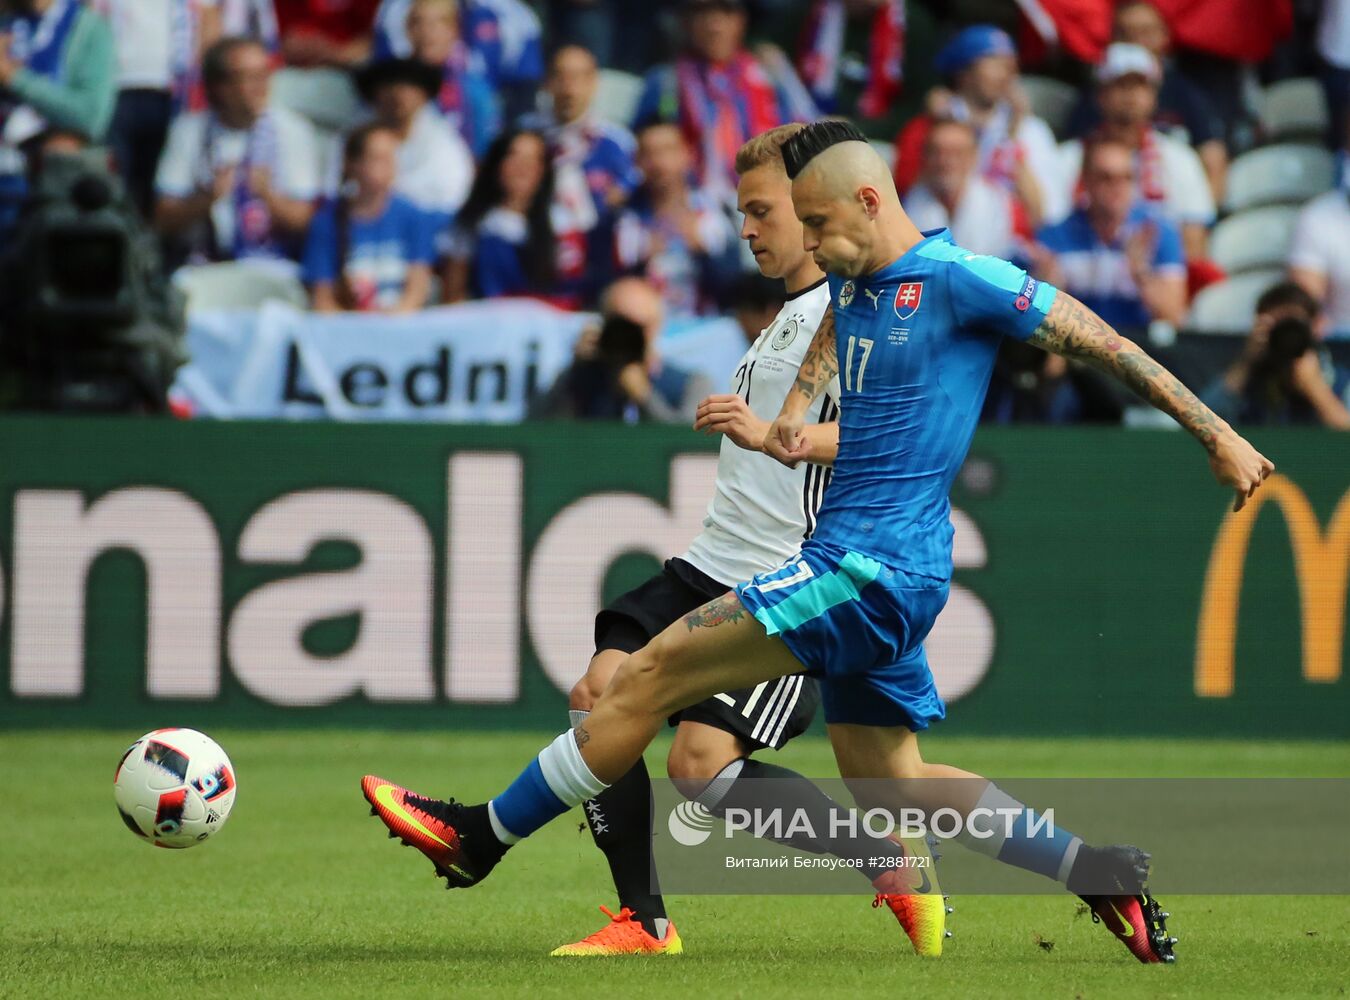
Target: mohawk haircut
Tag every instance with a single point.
(813, 140)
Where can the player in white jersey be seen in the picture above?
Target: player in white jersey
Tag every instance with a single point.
(759, 514)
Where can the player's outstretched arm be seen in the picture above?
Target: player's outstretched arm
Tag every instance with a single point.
(786, 440)
(1075, 331)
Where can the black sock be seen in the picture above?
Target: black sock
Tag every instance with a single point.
(481, 845)
(620, 819)
(771, 787)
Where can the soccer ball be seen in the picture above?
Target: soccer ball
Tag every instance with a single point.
(174, 787)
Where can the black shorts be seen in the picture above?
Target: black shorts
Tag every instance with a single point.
(766, 715)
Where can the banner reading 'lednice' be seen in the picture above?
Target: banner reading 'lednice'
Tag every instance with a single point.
(447, 576)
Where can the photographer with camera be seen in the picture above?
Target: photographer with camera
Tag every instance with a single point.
(617, 373)
(1282, 376)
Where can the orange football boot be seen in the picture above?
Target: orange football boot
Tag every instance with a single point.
(623, 936)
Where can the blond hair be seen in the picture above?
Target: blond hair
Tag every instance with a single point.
(766, 148)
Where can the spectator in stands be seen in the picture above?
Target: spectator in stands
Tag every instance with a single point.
(239, 180)
(1016, 149)
(676, 237)
(1116, 254)
(435, 166)
(619, 32)
(1319, 257)
(601, 152)
(512, 238)
(1333, 45)
(466, 97)
(1169, 174)
(1029, 386)
(756, 301)
(505, 34)
(951, 194)
(1221, 43)
(326, 32)
(715, 90)
(159, 46)
(851, 58)
(617, 373)
(369, 249)
(1281, 376)
(56, 69)
(1182, 111)
(256, 19)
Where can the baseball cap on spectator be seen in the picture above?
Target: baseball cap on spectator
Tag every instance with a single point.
(372, 76)
(971, 44)
(1123, 59)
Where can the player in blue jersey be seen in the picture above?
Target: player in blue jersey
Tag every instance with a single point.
(912, 334)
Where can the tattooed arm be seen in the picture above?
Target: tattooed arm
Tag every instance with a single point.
(1075, 331)
(819, 366)
(787, 440)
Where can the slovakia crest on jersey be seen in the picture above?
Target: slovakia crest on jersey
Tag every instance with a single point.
(907, 299)
(846, 294)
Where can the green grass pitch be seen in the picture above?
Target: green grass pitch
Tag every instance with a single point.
(302, 895)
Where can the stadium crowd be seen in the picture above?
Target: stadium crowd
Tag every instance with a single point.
(1168, 162)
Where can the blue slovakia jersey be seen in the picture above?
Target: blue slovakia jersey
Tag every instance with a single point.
(917, 342)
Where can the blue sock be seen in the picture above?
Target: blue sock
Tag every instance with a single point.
(1029, 842)
(1039, 847)
(551, 784)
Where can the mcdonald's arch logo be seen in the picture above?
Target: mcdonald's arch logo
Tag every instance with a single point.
(1321, 565)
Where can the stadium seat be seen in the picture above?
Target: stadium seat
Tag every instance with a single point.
(1287, 172)
(887, 151)
(617, 96)
(237, 286)
(1294, 109)
(1258, 237)
(1228, 306)
(1052, 100)
(327, 97)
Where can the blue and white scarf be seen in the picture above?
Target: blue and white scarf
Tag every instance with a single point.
(253, 233)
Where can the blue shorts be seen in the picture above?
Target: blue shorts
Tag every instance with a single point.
(859, 625)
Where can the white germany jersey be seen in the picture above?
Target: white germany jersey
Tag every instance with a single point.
(761, 510)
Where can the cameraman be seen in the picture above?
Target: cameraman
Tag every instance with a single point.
(617, 374)
(87, 322)
(1282, 376)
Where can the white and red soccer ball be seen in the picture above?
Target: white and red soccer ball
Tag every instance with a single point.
(174, 787)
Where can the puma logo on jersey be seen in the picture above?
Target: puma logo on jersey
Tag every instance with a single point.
(874, 296)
